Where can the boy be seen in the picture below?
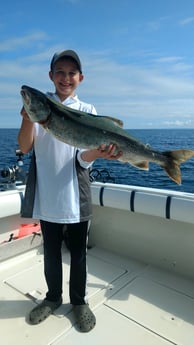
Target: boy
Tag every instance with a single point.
(62, 195)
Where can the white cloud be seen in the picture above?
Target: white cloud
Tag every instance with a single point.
(186, 21)
(21, 42)
(169, 59)
(141, 96)
(178, 123)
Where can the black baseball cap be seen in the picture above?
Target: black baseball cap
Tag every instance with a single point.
(66, 53)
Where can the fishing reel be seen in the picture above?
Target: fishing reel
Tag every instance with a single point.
(10, 173)
(15, 172)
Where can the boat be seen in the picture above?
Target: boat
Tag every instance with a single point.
(140, 270)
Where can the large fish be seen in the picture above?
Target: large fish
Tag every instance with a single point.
(89, 131)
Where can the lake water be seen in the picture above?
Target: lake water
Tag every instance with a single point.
(123, 173)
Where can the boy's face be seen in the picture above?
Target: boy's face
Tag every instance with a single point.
(66, 77)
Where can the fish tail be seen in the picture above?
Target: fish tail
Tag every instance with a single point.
(172, 164)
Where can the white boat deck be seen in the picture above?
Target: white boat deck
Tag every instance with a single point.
(134, 303)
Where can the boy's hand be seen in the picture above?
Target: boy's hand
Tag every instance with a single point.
(103, 151)
(24, 114)
(109, 152)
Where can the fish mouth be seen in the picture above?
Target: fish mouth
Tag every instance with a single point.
(23, 93)
(25, 96)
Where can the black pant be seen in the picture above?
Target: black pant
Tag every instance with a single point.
(52, 241)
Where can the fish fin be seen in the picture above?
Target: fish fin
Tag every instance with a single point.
(115, 121)
(144, 165)
(172, 166)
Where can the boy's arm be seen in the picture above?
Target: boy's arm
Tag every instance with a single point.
(26, 133)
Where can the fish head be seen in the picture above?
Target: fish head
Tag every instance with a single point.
(35, 104)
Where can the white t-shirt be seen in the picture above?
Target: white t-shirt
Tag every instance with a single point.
(61, 193)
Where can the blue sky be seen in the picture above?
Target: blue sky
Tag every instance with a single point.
(137, 56)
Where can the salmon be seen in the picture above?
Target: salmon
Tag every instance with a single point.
(88, 131)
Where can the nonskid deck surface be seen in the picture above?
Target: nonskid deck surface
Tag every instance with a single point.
(134, 304)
